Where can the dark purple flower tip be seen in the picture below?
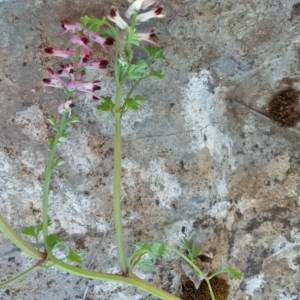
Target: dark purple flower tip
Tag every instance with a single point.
(103, 63)
(113, 13)
(49, 50)
(50, 70)
(158, 9)
(109, 41)
(85, 40)
(59, 72)
(63, 22)
(72, 105)
(96, 88)
(95, 97)
(47, 80)
(86, 58)
(152, 35)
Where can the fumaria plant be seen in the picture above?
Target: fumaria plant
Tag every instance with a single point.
(112, 30)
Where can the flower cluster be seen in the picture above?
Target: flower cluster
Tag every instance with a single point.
(69, 77)
(133, 9)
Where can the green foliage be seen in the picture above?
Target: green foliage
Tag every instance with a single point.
(192, 249)
(156, 73)
(72, 120)
(50, 141)
(52, 121)
(52, 241)
(136, 71)
(74, 257)
(133, 103)
(110, 32)
(152, 250)
(34, 230)
(59, 161)
(62, 138)
(92, 23)
(236, 274)
(154, 52)
(106, 104)
(131, 37)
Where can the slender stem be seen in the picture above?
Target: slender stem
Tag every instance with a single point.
(16, 278)
(133, 280)
(48, 176)
(200, 273)
(216, 273)
(18, 241)
(117, 170)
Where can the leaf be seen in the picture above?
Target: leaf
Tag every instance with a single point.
(50, 141)
(92, 23)
(131, 103)
(146, 265)
(106, 104)
(53, 240)
(111, 32)
(154, 52)
(156, 73)
(59, 162)
(74, 119)
(52, 121)
(139, 98)
(75, 256)
(195, 250)
(34, 230)
(62, 138)
(136, 71)
(131, 37)
(30, 230)
(235, 272)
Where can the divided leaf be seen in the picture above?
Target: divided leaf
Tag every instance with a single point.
(111, 32)
(192, 249)
(92, 23)
(156, 73)
(152, 250)
(53, 240)
(74, 256)
(132, 103)
(236, 274)
(132, 37)
(136, 71)
(34, 230)
(106, 104)
(154, 52)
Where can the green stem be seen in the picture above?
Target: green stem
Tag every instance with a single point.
(117, 170)
(200, 273)
(48, 176)
(133, 280)
(20, 276)
(18, 241)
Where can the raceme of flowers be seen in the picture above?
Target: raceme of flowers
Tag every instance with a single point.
(70, 77)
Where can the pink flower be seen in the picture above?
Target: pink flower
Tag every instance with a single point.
(60, 53)
(137, 5)
(65, 106)
(99, 39)
(70, 27)
(116, 18)
(97, 65)
(148, 37)
(81, 41)
(154, 13)
(84, 86)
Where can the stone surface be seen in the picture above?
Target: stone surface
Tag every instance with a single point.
(201, 157)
